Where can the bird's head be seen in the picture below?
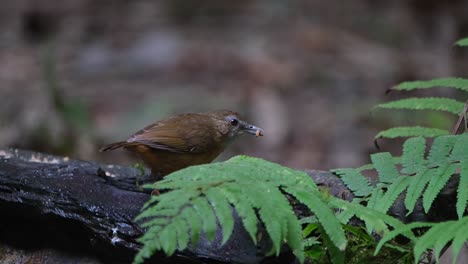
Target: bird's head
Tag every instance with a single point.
(234, 125)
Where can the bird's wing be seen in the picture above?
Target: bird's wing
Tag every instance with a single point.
(186, 133)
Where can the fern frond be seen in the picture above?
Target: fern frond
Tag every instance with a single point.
(460, 239)
(436, 185)
(462, 42)
(200, 197)
(355, 181)
(378, 220)
(396, 188)
(413, 155)
(383, 163)
(416, 187)
(440, 150)
(436, 237)
(243, 207)
(324, 214)
(415, 131)
(460, 153)
(462, 190)
(428, 103)
(439, 235)
(223, 211)
(205, 211)
(452, 82)
(337, 256)
(394, 233)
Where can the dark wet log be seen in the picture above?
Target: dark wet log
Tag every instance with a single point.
(88, 209)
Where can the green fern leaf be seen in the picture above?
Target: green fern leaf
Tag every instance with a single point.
(439, 235)
(149, 248)
(195, 223)
(460, 151)
(166, 236)
(399, 185)
(370, 216)
(274, 211)
(234, 194)
(435, 186)
(440, 150)
(460, 154)
(337, 256)
(294, 238)
(462, 191)
(205, 211)
(460, 238)
(182, 228)
(355, 181)
(383, 163)
(415, 131)
(462, 42)
(223, 211)
(413, 155)
(376, 196)
(401, 230)
(329, 222)
(458, 83)
(440, 243)
(416, 188)
(428, 103)
(345, 216)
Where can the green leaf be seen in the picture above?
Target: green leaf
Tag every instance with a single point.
(452, 82)
(223, 210)
(460, 238)
(383, 163)
(413, 131)
(440, 150)
(205, 211)
(413, 155)
(355, 181)
(166, 236)
(394, 233)
(416, 188)
(399, 185)
(195, 222)
(327, 219)
(462, 190)
(427, 103)
(435, 186)
(438, 235)
(462, 42)
(337, 256)
(234, 194)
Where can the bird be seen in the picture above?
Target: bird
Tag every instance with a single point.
(185, 140)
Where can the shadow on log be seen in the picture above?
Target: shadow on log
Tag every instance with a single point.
(85, 211)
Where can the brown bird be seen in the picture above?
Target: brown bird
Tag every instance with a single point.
(185, 140)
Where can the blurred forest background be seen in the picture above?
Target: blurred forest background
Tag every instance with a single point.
(78, 74)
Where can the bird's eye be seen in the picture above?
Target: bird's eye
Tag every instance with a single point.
(234, 122)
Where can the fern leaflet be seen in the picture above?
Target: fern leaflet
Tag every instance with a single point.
(453, 82)
(413, 131)
(413, 155)
(462, 42)
(428, 103)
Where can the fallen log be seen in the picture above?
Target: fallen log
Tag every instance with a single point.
(88, 209)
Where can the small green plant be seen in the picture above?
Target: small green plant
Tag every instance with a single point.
(199, 196)
(420, 175)
(443, 104)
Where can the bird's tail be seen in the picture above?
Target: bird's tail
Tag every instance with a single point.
(115, 145)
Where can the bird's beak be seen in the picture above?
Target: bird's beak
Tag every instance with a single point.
(251, 129)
